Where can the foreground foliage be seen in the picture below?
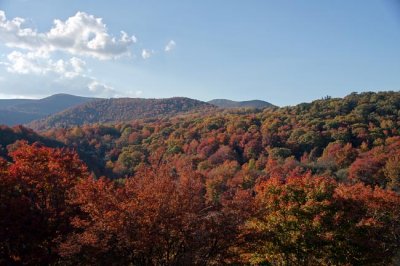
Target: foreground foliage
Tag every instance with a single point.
(306, 220)
(313, 184)
(54, 212)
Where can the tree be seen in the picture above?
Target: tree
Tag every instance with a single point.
(308, 220)
(369, 168)
(35, 209)
(392, 172)
(157, 217)
(369, 232)
(293, 224)
(341, 154)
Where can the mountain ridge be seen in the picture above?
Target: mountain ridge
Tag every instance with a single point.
(22, 111)
(119, 110)
(225, 103)
(29, 111)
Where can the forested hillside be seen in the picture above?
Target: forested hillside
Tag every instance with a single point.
(119, 110)
(312, 184)
(9, 137)
(306, 136)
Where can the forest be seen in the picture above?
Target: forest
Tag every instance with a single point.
(313, 184)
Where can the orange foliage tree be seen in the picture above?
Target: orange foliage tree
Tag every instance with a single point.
(35, 211)
(158, 217)
(306, 220)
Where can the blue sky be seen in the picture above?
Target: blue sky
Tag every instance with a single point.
(284, 52)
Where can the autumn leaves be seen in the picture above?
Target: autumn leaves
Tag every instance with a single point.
(53, 211)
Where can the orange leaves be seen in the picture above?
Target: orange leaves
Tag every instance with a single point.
(303, 185)
(159, 216)
(341, 154)
(348, 223)
(379, 166)
(152, 216)
(35, 210)
(169, 213)
(292, 216)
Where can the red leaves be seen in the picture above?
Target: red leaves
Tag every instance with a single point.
(159, 216)
(341, 154)
(207, 191)
(34, 205)
(153, 216)
(378, 166)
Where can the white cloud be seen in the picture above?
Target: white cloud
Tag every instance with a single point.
(81, 34)
(13, 34)
(77, 64)
(52, 61)
(98, 87)
(38, 86)
(40, 63)
(26, 63)
(146, 54)
(44, 74)
(170, 46)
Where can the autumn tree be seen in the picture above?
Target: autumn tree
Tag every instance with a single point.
(392, 172)
(293, 224)
(157, 217)
(35, 211)
(369, 231)
(306, 220)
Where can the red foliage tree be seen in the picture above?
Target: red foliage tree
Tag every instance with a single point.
(35, 211)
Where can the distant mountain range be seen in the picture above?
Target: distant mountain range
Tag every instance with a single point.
(22, 111)
(224, 103)
(62, 110)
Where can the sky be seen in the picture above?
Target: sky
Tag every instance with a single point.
(285, 52)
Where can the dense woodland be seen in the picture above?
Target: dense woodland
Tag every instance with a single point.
(119, 109)
(313, 184)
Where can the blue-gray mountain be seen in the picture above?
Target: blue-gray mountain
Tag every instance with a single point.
(22, 111)
(224, 103)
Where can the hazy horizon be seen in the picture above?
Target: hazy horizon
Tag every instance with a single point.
(209, 100)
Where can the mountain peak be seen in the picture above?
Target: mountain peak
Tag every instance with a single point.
(225, 103)
(21, 111)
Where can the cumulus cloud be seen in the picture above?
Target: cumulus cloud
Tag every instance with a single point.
(82, 34)
(33, 85)
(146, 54)
(44, 73)
(77, 64)
(31, 62)
(40, 63)
(34, 57)
(13, 34)
(97, 87)
(170, 46)
(56, 59)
